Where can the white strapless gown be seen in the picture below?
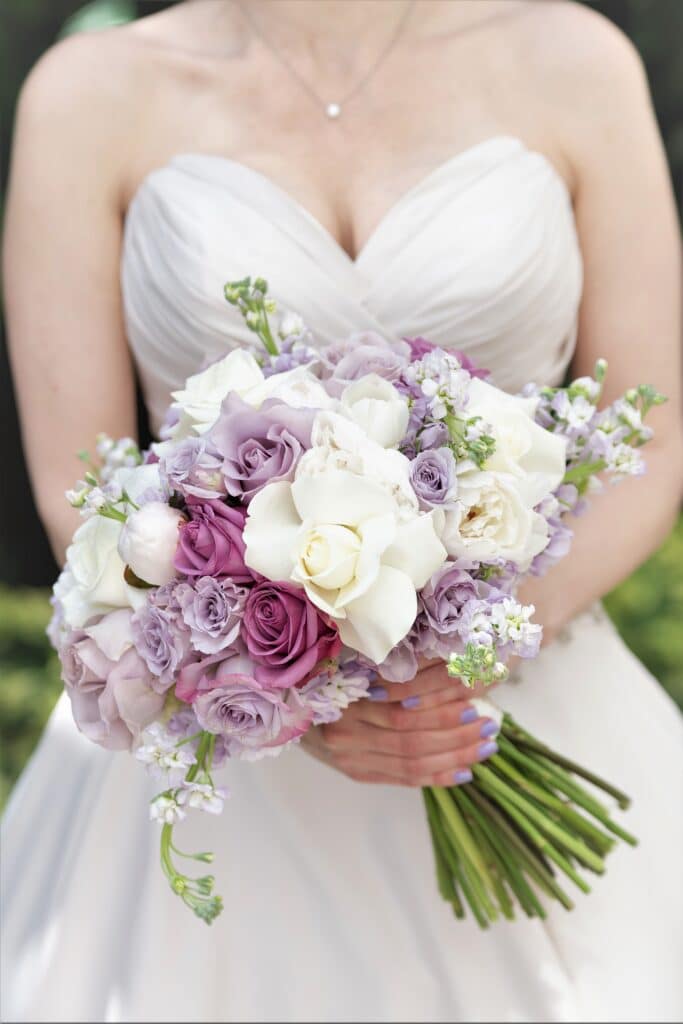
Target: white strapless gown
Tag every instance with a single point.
(331, 908)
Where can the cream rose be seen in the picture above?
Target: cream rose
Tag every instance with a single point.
(377, 408)
(148, 542)
(491, 520)
(199, 402)
(340, 536)
(535, 457)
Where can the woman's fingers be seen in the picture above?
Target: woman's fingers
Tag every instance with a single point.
(405, 743)
(449, 768)
(432, 714)
(430, 680)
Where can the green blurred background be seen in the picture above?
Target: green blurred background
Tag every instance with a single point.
(647, 608)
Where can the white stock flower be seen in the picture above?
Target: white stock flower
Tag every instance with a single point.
(202, 797)
(340, 536)
(535, 457)
(378, 409)
(491, 520)
(148, 542)
(199, 402)
(166, 810)
(162, 756)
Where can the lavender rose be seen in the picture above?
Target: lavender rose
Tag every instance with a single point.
(162, 643)
(285, 634)
(260, 446)
(212, 609)
(193, 467)
(211, 543)
(443, 598)
(108, 684)
(433, 476)
(250, 718)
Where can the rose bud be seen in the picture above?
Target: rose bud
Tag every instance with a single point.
(149, 540)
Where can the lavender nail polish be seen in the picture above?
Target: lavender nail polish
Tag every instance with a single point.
(469, 715)
(461, 777)
(377, 693)
(411, 702)
(486, 750)
(489, 728)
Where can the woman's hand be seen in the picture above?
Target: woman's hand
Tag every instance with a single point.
(422, 733)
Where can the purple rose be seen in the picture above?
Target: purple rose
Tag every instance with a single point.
(108, 684)
(211, 543)
(433, 476)
(160, 642)
(259, 446)
(285, 634)
(249, 717)
(193, 466)
(212, 609)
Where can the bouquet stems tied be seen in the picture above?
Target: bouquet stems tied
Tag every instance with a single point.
(503, 841)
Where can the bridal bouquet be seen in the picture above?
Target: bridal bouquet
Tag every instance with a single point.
(313, 518)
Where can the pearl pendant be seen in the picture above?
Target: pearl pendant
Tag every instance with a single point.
(333, 111)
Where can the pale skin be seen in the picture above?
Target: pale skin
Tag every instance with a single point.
(100, 112)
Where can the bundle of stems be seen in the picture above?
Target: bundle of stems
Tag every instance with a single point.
(505, 839)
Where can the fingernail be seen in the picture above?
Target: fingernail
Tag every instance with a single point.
(486, 750)
(372, 675)
(469, 715)
(377, 693)
(411, 702)
(489, 728)
(461, 777)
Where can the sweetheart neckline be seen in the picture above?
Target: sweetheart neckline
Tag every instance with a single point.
(409, 194)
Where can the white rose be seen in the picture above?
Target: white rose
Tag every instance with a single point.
(378, 409)
(199, 402)
(298, 388)
(341, 444)
(341, 538)
(534, 456)
(148, 542)
(491, 520)
(93, 582)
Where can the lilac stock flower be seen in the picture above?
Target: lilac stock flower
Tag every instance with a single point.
(335, 688)
(260, 446)
(285, 634)
(400, 665)
(211, 543)
(160, 643)
(433, 477)
(419, 347)
(292, 353)
(212, 610)
(193, 466)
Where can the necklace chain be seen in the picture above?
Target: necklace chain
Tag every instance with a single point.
(332, 110)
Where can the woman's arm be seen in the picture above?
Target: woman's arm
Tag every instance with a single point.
(71, 366)
(630, 315)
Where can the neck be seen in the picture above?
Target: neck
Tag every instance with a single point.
(325, 22)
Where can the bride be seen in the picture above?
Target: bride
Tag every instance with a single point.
(488, 174)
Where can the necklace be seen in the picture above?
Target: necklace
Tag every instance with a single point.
(331, 108)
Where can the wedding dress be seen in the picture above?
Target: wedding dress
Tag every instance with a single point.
(331, 907)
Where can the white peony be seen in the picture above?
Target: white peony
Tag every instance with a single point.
(378, 409)
(492, 520)
(340, 536)
(199, 402)
(298, 388)
(148, 542)
(341, 444)
(93, 582)
(534, 456)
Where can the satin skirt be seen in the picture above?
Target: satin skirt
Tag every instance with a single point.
(331, 907)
